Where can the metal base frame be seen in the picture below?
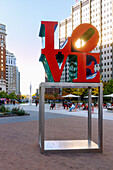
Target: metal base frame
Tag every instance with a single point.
(66, 146)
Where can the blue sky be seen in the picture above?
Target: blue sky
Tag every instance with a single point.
(22, 19)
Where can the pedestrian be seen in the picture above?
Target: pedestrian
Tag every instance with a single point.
(72, 107)
(52, 106)
(14, 102)
(36, 101)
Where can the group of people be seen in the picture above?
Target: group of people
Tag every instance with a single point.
(71, 105)
(66, 104)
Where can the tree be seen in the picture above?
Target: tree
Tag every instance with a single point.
(75, 91)
(12, 96)
(108, 87)
(18, 97)
(55, 95)
(95, 90)
(3, 94)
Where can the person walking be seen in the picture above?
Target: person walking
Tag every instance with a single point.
(72, 107)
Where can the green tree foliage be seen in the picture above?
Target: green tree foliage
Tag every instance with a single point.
(55, 95)
(108, 87)
(12, 96)
(3, 94)
(75, 91)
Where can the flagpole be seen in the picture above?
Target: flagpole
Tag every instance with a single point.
(30, 94)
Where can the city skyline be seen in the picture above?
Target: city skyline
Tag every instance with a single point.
(22, 20)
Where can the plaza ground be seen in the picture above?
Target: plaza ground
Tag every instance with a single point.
(19, 141)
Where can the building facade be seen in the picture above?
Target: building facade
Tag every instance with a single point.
(12, 74)
(17, 81)
(100, 14)
(50, 90)
(2, 57)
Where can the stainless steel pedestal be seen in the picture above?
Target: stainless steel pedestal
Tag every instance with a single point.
(62, 146)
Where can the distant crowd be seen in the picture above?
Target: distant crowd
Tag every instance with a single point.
(71, 105)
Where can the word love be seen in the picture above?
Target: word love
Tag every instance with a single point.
(87, 36)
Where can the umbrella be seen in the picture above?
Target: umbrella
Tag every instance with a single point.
(91, 96)
(70, 95)
(109, 95)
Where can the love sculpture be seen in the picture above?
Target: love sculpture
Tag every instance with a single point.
(55, 57)
(81, 75)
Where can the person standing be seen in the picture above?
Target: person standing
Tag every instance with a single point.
(36, 101)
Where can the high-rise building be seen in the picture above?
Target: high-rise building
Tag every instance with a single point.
(17, 81)
(2, 57)
(100, 14)
(12, 74)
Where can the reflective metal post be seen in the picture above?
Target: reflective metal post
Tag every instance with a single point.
(89, 115)
(41, 118)
(100, 117)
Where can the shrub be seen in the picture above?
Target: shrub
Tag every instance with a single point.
(7, 109)
(18, 111)
(14, 111)
(2, 108)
